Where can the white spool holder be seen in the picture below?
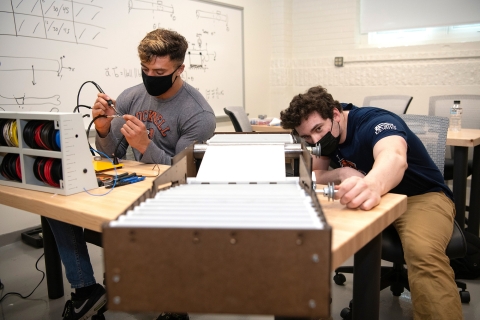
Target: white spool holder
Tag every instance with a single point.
(77, 166)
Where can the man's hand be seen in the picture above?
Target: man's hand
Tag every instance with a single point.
(101, 107)
(390, 154)
(136, 133)
(357, 192)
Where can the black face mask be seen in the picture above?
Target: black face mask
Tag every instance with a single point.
(328, 143)
(156, 86)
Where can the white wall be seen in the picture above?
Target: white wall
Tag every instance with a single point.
(320, 30)
(12, 220)
(257, 54)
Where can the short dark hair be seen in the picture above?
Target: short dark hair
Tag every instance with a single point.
(316, 99)
(161, 43)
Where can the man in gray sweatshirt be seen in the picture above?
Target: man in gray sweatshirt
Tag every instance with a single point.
(158, 119)
(163, 115)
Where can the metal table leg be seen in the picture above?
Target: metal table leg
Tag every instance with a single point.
(366, 281)
(53, 264)
(474, 212)
(460, 159)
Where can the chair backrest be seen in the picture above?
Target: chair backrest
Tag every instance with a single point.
(395, 103)
(440, 106)
(239, 119)
(432, 131)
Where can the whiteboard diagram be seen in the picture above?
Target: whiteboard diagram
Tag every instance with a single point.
(214, 16)
(77, 22)
(33, 65)
(50, 47)
(28, 101)
(154, 6)
(197, 58)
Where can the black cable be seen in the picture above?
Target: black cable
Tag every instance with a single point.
(77, 108)
(88, 131)
(115, 152)
(79, 90)
(110, 102)
(18, 294)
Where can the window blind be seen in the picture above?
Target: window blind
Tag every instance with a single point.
(384, 15)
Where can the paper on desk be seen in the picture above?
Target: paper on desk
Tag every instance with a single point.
(243, 164)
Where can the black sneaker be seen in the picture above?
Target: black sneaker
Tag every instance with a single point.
(76, 309)
(173, 316)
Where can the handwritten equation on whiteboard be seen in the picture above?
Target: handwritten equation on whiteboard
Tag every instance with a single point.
(119, 72)
(78, 21)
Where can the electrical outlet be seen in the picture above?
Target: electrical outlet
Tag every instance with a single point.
(338, 61)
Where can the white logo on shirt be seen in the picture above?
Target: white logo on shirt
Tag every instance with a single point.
(384, 126)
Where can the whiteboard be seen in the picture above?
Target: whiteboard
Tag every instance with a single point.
(49, 48)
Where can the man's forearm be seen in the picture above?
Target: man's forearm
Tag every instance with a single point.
(387, 172)
(326, 176)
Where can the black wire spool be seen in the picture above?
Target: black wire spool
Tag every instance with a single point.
(11, 167)
(3, 123)
(4, 167)
(56, 171)
(8, 167)
(48, 175)
(38, 166)
(29, 133)
(49, 132)
(46, 135)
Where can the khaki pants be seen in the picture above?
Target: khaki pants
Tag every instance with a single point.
(425, 230)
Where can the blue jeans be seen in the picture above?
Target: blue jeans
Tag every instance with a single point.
(73, 253)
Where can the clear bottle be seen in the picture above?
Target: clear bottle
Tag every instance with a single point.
(455, 117)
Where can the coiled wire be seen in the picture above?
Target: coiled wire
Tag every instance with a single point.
(8, 133)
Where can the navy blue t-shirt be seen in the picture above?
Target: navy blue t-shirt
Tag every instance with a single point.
(365, 127)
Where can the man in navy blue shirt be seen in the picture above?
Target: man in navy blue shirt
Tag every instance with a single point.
(377, 153)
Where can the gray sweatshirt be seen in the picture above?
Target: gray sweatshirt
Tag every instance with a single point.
(172, 124)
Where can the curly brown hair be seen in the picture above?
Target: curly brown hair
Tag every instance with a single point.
(161, 43)
(302, 105)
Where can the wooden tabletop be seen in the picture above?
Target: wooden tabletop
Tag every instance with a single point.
(464, 138)
(352, 229)
(264, 128)
(84, 209)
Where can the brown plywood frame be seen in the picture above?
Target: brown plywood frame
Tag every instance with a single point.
(233, 271)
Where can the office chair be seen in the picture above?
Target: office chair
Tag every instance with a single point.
(239, 119)
(432, 131)
(440, 106)
(395, 103)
